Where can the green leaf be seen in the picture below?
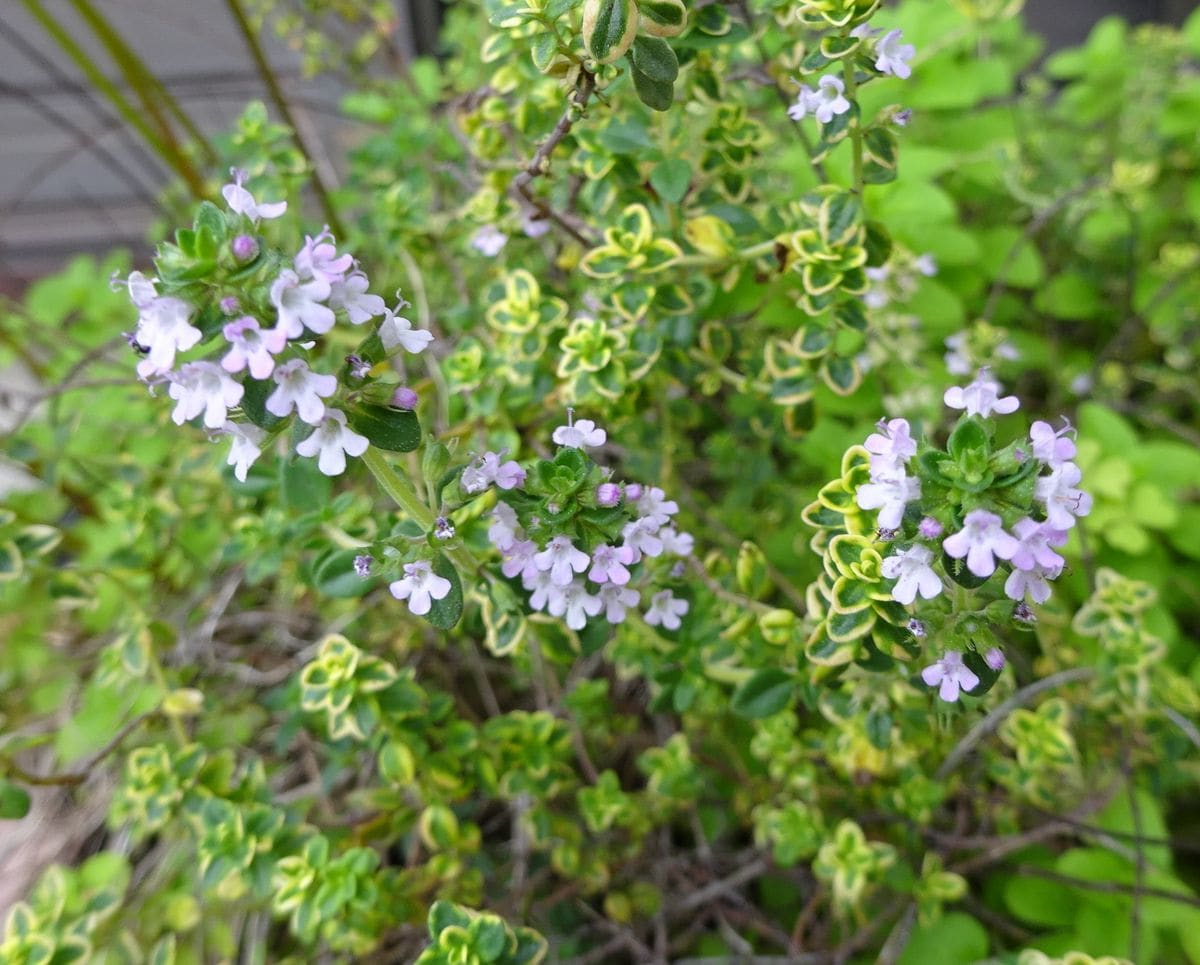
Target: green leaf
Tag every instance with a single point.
(662, 18)
(656, 95)
(333, 574)
(767, 692)
(303, 486)
(609, 27)
(671, 179)
(14, 801)
(254, 403)
(446, 612)
(954, 939)
(655, 58)
(396, 430)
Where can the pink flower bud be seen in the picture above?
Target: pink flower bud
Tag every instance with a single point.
(230, 305)
(994, 658)
(244, 248)
(633, 492)
(608, 494)
(405, 398)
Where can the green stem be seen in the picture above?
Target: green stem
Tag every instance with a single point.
(404, 494)
(746, 254)
(856, 134)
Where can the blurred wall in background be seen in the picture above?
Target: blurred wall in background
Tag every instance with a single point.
(75, 178)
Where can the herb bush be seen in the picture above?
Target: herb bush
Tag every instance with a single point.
(762, 525)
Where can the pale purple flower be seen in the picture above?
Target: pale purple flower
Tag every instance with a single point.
(609, 564)
(806, 103)
(351, 296)
(926, 264)
(828, 100)
(913, 574)
(653, 505)
(929, 528)
(141, 289)
(891, 447)
(242, 201)
(892, 56)
(1036, 540)
(505, 529)
(1052, 448)
(541, 586)
(562, 559)
(608, 495)
(518, 558)
(359, 367)
(203, 387)
(362, 565)
(489, 240)
(1022, 614)
(864, 31)
(917, 628)
(676, 543)
(981, 397)
(443, 529)
(250, 346)
(576, 603)
(299, 304)
(617, 599)
(889, 494)
(405, 398)
(902, 117)
(958, 361)
(981, 538)
(162, 330)
(299, 388)
(319, 259)
(579, 435)
(1063, 501)
(246, 447)
(951, 674)
(230, 305)
(488, 469)
(331, 442)
(877, 295)
(420, 587)
(1032, 583)
(397, 331)
(665, 610)
(633, 492)
(534, 225)
(994, 658)
(642, 537)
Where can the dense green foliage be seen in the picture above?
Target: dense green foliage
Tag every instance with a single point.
(292, 763)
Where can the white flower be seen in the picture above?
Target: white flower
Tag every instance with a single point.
(576, 603)
(420, 587)
(351, 295)
(981, 397)
(609, 564)
(163, 329)
(242, 201)
(958, 362)
(488, 240)
(534, 225)
(892, 56)
(926, 264)
(1063, 501)
(911, 570)
(665, 610)
(541, 586)
(333, 440)
(396, 330)
(299, 388)
(889, 494)
(617, 599)
(877, 295)
(981, 538)
(203, 387)
(1033, 582)
(952, 674)
(250, 346)
(676, 543)
(1052, 448)
(828, 99)
(505, 530)
(319, 259)
(580, 435)
(141, 289)
(654, 505)
(806, 103)
(891, 447)
(561, 557)
(518, 558)
(1036, 540)
(246, 448)
(488, 469)
(299, 304)
(642, 537)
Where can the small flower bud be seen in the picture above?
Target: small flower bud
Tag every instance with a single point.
(929, 528)
(633, 492)
(362, 565)
(1023, 614)
(405, 398)
(230, 305)
(916, 627)
(443, 529)
(359, 368)
(901, 118)
(885, 535)
(678, 570)
(608, 495)
(994, 658)
(244, 248)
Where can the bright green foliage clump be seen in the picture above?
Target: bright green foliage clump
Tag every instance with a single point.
(253, 751)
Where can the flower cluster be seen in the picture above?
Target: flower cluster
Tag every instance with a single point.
(972, 511)
(262, 310)
(580, 543)
(889, 57)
